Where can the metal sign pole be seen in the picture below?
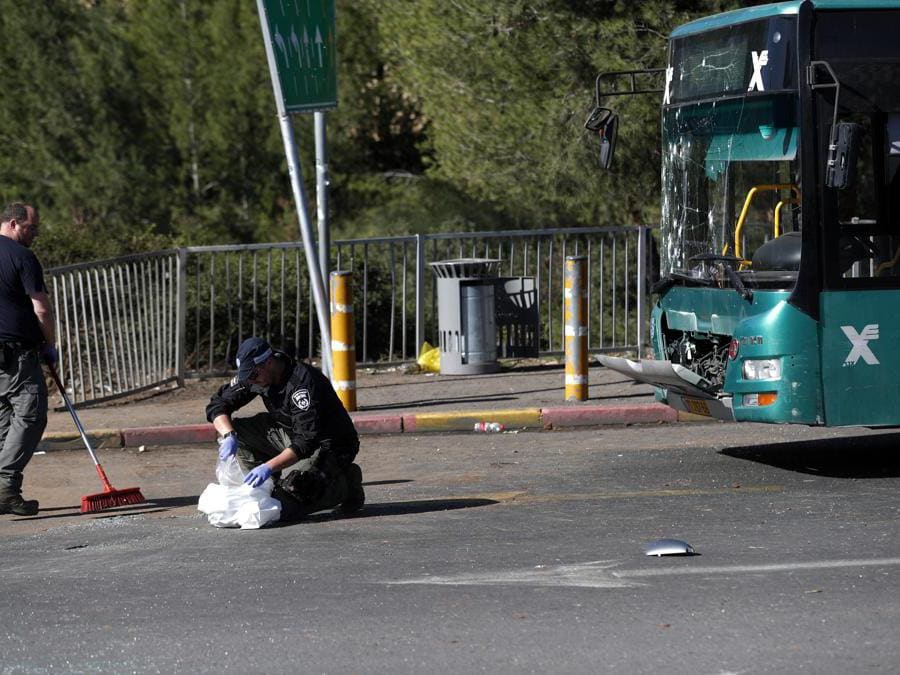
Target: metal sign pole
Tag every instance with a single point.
(322, 202)
(296, 176)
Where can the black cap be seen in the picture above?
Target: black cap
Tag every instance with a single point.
(252, 352)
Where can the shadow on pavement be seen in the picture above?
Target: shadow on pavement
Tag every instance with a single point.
(150, 506)
(423, 506)
(613, 397)
(396, 481)
(518, 371)
(536, 368)
(174, 502)
(396, 509)
(446, 401)
(57, 404)
(870, 456)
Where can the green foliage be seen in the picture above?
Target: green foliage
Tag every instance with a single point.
(202, 70)
(70, 128)
(509, 84)
(137, 125)
(403, 203)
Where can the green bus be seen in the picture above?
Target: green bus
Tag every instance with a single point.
(779, 291)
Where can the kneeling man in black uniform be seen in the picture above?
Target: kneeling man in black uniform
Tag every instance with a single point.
(306, 424)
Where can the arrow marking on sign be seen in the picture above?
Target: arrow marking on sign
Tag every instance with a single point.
(279, 42)
(319, 46)
(295, 42)
(306, 46)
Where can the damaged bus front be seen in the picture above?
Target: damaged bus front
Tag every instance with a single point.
(780, 233)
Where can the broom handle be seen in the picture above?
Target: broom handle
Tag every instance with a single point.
(84, 437)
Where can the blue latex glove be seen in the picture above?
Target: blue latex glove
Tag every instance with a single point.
(49, 355)
(258, 475)
(227, 447)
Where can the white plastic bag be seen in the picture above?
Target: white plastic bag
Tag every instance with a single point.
(228, 472)
(230, 503)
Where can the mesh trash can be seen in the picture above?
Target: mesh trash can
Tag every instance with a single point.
(518, 318)
(466, 318)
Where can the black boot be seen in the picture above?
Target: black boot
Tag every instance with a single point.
(14, 504)
(356, 496)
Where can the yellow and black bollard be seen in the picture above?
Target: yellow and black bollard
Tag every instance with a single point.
(575, 298)
(343, 330)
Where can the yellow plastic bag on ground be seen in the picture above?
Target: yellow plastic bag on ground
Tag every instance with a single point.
(429, 358)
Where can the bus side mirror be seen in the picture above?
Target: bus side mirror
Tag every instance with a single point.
(842, 155)
(605, 123)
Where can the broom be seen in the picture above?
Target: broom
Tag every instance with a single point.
(110, 497)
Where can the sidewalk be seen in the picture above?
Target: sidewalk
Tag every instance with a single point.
(523, 396)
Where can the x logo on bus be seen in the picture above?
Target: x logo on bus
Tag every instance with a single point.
(760, 59)
(860, 342)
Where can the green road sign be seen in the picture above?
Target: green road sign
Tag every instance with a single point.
(301, 37)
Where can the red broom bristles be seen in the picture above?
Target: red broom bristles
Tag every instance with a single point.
(111, 499)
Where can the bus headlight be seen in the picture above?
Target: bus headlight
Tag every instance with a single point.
(762, 369)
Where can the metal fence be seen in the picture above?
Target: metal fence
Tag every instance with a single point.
(117, 324)
(141, 321)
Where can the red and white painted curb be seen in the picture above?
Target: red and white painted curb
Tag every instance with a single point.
(367, 424)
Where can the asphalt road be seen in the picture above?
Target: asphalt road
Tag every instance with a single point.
(502, 553)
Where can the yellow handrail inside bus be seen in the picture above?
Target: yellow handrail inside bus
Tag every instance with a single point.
(744, 211)
(778, 206)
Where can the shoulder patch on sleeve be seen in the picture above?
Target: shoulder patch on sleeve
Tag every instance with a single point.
(301, 399)
(234, 381)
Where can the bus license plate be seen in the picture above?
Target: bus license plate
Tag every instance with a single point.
(697, 406)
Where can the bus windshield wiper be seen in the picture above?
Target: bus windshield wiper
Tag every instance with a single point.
(738, 283)
(727, 263)
(672, 278)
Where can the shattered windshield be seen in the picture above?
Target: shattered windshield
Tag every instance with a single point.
(729, 174)
(750, 59)
(729, 177)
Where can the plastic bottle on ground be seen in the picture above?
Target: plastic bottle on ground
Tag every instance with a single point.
(489, 427)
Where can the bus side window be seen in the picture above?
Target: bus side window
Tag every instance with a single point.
(860, 203)
(893, 170)
(890, 243)
(866, 246)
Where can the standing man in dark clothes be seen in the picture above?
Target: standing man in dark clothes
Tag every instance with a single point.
(27, 332)
(306, 424)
